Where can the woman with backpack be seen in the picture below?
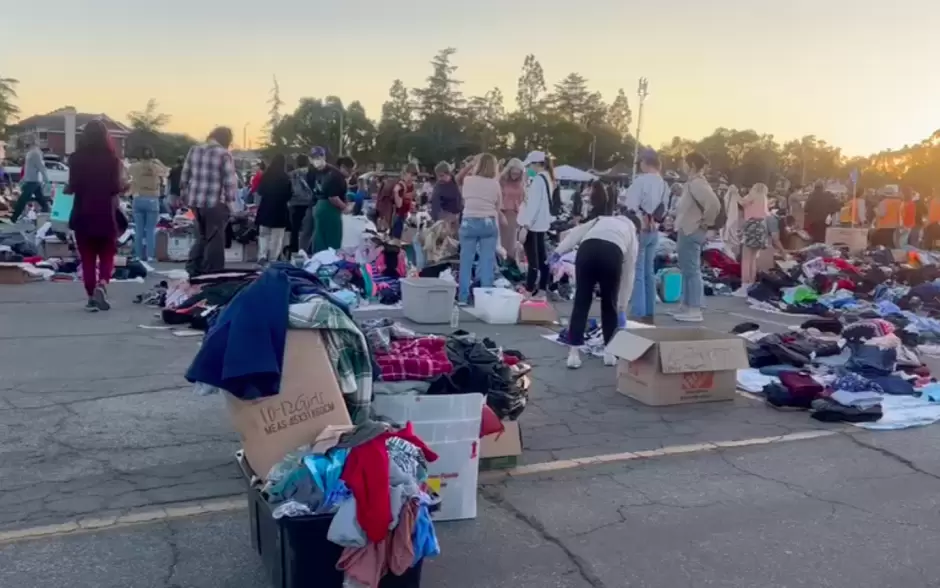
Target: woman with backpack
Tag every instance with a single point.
(535, 219)
(698, 213)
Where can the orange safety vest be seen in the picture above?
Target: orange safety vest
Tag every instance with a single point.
(909, 214)
(933, 211)
(892, 217)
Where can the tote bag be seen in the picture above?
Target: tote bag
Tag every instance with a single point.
(61, 208)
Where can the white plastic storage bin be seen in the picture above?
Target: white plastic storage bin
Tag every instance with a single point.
(450, 425)
(428, 300)
(496, 306)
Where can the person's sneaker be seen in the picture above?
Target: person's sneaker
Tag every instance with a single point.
(101, 299)
(681, 310)
(90, 306)
(690, 316)
(574, 361)
(610, 359)
(741, 292)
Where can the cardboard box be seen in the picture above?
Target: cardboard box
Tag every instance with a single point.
(662, 367)
(57, 249)
(537, 312)
(310, 400)
(235, 253)
(177, 247)
(501, 450)
(13, 274)
(855, 239)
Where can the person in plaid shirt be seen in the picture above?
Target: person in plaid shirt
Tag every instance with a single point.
(209, 185)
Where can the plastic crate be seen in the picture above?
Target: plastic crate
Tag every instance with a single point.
(428, 301)
(295, 551)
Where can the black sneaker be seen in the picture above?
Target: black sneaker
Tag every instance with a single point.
(101, 299)
(91, 306)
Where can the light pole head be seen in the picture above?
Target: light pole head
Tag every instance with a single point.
(643, 88)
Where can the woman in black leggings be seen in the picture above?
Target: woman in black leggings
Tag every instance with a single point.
(606, 259)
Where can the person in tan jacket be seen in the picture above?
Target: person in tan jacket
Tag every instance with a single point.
(696, 213)
(145, 180)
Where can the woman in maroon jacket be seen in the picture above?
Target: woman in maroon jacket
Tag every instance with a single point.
(95, 178)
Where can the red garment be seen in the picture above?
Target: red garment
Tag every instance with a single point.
(727, 267)
(97, 256)
(255, 181)
(841, 264)
(407, 199)
(366, 475)
(414, 359)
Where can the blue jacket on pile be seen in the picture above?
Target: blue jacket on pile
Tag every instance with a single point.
(243, 352)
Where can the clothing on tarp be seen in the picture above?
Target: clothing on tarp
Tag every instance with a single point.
(423, 358)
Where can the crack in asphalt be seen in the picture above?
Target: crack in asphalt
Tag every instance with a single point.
(908, 463)
(582, 566)
(174, 557)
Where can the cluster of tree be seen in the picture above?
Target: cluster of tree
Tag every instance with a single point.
(146, 131)
(438, 122)
(9, 111)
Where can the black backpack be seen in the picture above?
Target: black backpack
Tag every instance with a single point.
(720, 220)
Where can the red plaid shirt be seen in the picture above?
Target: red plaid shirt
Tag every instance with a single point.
(208, 176)
(414, 359)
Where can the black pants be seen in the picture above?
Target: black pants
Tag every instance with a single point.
(538, 262)
(297, 216)
(598, 264)
(207, 255)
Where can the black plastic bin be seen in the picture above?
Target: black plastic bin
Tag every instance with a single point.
(295, 550)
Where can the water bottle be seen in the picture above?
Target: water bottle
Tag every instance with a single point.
(455, 317)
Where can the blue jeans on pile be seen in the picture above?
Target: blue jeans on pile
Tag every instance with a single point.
(146, 211)
(643, 302)
(482, 234)
(689, 252)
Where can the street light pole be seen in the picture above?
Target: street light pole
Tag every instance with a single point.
(642, 92)
(341, 131)
(245, 136)
(593, 150)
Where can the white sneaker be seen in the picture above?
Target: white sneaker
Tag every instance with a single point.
(741, 292)
(574, 360)
(690, 316)
(681, 310)
(610, 359)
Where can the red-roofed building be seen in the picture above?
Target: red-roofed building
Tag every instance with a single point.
(58, 131)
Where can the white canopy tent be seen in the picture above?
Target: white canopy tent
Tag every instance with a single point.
(569, 173)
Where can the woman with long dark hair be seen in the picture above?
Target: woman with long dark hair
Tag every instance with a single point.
(95, 180)
(273, 214)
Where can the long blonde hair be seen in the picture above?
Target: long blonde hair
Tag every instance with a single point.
(759, 192)
(512, 164)
(487, 166)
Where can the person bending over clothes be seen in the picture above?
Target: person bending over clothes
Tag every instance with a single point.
(606, 258)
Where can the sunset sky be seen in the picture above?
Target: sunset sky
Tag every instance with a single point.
(861, 74)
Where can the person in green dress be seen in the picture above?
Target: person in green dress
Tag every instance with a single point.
(328, 184)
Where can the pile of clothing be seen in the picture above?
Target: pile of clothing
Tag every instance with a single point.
(459, 363)
(840, 372)
(372, 479)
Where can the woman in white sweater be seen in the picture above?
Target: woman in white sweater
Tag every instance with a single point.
(535, 218)
(606, 258)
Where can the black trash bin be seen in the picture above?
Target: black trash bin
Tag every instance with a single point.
(295, 550)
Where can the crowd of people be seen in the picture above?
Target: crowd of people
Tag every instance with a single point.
(493, 210)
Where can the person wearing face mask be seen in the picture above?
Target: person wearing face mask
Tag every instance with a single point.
(535, 219)
(328, 184)
(512, 182)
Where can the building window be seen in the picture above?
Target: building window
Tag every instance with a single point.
(42, 135)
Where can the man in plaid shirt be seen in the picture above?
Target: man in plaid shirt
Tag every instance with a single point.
(209, 185)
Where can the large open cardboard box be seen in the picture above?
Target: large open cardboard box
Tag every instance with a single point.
(309, 401)
(501, 450)
(855, 239)
(661, 367)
